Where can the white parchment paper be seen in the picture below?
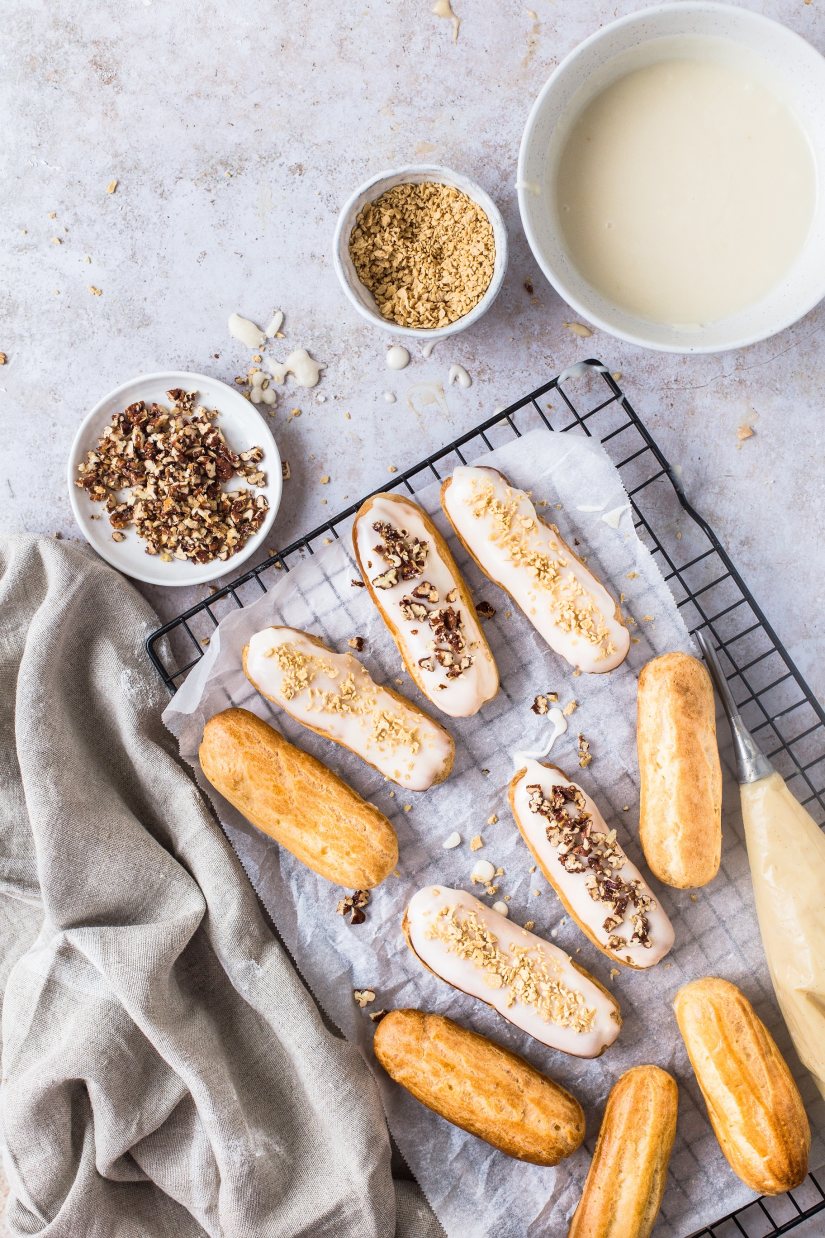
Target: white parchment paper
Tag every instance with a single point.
(473, 1189)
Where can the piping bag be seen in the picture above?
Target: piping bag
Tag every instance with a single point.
(786, 851)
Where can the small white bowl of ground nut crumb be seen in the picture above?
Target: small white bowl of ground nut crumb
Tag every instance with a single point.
(175, 478)
(420, 251)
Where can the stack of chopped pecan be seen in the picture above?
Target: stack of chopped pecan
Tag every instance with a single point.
(162, 471)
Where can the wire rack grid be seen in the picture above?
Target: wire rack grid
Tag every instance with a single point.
(776, 703)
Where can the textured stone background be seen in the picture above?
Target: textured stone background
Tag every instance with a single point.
(235, 132)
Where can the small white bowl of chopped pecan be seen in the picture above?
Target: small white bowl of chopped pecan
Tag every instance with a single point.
(175, 478)
(420, 251)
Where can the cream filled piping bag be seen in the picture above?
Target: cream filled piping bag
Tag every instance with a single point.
(786, 850)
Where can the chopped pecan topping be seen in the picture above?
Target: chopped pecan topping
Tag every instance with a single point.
(485, 610)
(426, 591)
(400, 550)
(583, 849)
(387, 579)
(411, 609)
(356, 643)
(427, 664)
(162, 471)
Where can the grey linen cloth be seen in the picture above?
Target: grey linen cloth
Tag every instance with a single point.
(165, 1071)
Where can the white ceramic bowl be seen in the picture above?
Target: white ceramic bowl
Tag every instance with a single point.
(783, 60)
(243, 427)
(415, 174)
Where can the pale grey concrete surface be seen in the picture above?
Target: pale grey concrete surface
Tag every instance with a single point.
(235, 131)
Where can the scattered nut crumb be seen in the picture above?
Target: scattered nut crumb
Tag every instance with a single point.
(96, 292)
(543, 701)
(632, 576)
(744, 432)
(356, 643)
(204, 640)
(377, 1015)
(392, 468)
(529, 924)
(570, 708)
(585, 755)
(353, 905)
(295, 412)
(476, 842)
(407, 807)
(286, 472)
(614, 972)
(358, 584)
(324, 479)
(56, 240)
(528, 287)
(485, 610)
(3, 358)
(578, 328)
(112, 186)
(363, 997)
(493, 819)
(694, 898)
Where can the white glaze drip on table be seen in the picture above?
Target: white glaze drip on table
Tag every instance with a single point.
(559, 723)
(464, 695)
(398, 357)
(429, 904)
(415, 761)
(457, 375)
(246, 331)
(574, 885)
(303, 368)
(543, 604)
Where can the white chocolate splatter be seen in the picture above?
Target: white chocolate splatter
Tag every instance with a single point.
(501, 908)
(458, 375)
(398, 358)
(275, 324)
(451, 841)
(483, 871)
(559, 723)
(389, 396)
(300, 365)
(443, 8)
(427, 349)
(246, 331)
(614, 516)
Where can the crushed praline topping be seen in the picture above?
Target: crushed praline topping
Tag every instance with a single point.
(583, 849)
(407, 557)
(528, 974)
(299, 672)
(515, 532)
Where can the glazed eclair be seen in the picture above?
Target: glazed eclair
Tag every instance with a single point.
(584, 862)
(533, 984)
(528, 558)
(334, 695)
(420, 594)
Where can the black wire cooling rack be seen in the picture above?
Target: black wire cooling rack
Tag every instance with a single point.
(776, 703)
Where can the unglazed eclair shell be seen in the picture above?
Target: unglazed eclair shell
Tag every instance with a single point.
(680, 822)
(295, 799)
(572, 887)
(461, 695)
(565, 602)
(375, 722)
(752, 1100)
(549, 996)
(480, 1086)
(627, 1176)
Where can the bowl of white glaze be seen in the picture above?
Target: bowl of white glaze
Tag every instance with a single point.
(780, 66)
(362, 299)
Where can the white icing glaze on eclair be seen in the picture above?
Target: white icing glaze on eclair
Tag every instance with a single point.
(561, 597)
(458, 690)
(335, 694)
(530, 982)
(638, 915)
